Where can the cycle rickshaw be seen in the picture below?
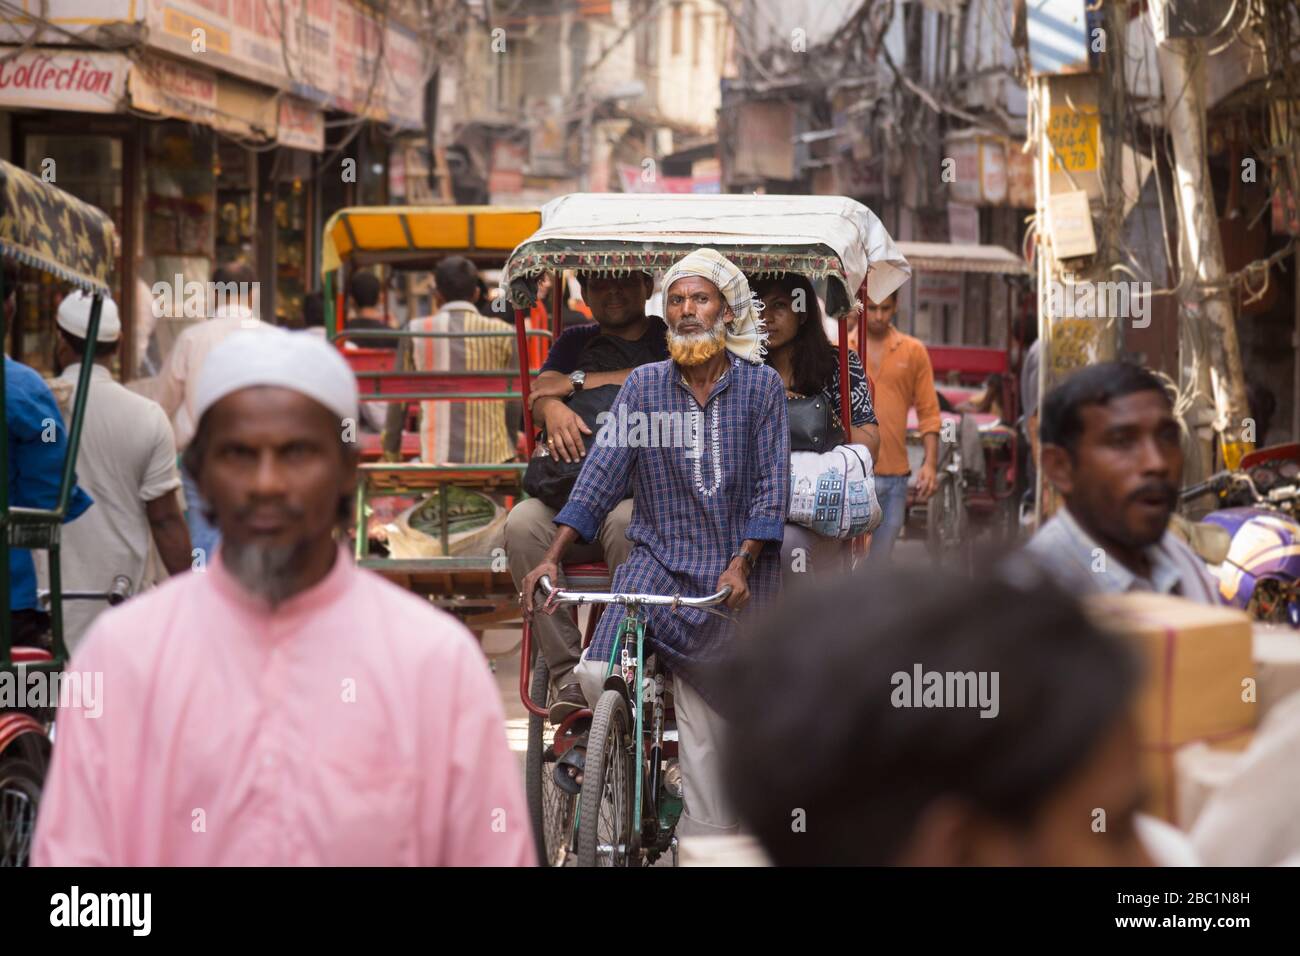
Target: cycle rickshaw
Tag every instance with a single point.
(411, 240)
(979, 450)
(630, 801)
(44, 228)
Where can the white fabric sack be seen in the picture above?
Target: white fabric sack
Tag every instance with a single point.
(834, 493)
(1254, 817)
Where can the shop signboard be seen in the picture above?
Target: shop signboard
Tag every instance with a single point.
(236, 36)
(331, 52)
(301, 125)
(335, 53)
(162, 85)
(1020, 176)
(978, 170)
(61, 79)
(69, 19)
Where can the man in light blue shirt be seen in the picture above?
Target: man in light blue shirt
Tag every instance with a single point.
(38, 444)
(1113, 450)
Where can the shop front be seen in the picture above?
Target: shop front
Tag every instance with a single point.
(206, 169)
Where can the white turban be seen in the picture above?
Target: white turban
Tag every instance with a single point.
(746, 333)
(273, 356)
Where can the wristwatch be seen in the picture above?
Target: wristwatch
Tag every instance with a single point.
(578, 378)
(749, 559)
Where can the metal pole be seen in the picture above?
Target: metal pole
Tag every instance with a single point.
(5, 609)
(79, 407)
(525, 376)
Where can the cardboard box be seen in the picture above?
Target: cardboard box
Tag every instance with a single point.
(1199, 681)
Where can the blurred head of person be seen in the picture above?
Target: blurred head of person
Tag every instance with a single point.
(363, 290)
(73, 320)
(313, 310)
(274, 456)
(794, 329)
(616, 301)
(880, 315)
(885, 739)
(233, 282)
(456, 279)
(1113, 449)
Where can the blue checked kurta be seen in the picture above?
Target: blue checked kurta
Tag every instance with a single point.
(683, 539)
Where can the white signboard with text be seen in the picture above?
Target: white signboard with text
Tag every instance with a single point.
(59, 79)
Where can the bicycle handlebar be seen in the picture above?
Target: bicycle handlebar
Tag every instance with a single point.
(556, 597)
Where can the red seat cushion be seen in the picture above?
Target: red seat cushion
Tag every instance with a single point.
(591, 576)
(372, 450)
(31, 655)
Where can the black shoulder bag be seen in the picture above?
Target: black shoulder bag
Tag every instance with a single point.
(814, 425)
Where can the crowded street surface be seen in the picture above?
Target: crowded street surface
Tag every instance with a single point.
(493, 434)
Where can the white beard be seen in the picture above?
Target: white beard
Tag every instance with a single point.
(267, 572)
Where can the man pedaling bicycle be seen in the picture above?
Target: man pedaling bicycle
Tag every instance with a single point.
(705, 453)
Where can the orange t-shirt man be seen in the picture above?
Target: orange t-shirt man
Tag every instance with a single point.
(899, 365)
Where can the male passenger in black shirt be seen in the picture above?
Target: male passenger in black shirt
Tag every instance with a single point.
(617, 305)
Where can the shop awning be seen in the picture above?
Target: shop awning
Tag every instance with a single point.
(167, 87)
(44, 227)
(962, 257)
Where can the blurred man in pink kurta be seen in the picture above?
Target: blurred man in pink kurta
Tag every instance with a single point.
(280, 706)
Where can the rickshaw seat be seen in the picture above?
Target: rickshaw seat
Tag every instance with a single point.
(590, 575)
(30, 655)
(372, 449)
(398, 478)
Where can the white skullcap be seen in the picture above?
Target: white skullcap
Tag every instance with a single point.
(273, 356)
(74, 317)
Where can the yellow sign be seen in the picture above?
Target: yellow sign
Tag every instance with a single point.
(181, 25)
(1073, 135)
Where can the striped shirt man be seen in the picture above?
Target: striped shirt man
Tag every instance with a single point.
(477, 431)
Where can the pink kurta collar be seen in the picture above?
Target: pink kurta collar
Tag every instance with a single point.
(325, 592)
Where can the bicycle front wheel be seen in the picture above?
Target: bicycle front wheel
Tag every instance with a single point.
(605, 811)
(550, 808)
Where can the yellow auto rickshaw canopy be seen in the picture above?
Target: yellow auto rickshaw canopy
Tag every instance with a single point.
(360, 235)
(48, 229)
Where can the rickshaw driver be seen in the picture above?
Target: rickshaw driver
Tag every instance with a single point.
(618, 306)
(706, 516)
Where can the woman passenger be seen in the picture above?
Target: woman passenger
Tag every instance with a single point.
(797, 347)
